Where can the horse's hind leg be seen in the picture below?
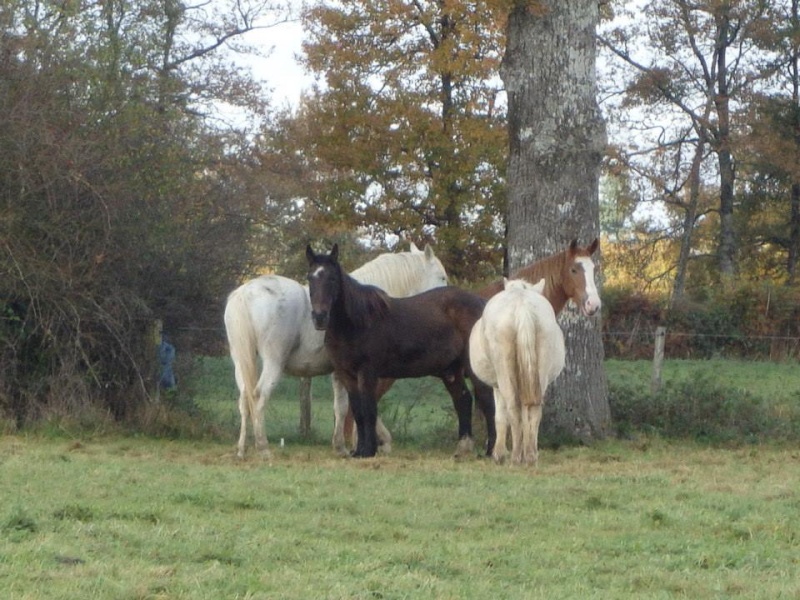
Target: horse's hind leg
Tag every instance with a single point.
(245, 406)
(266, 383)
(531, 421)
(384, 437)
(484, 398)
(462, 401)
(517, 430)
(500, 450)
(244, 411)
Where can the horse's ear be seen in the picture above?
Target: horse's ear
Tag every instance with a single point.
(539, 286)
(429, 252)
(309, 254)
(335, 252)
(593, 246)
(412, 247)
(573, 246)
(505, 283)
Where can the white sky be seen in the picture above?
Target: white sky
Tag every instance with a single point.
(281, 71)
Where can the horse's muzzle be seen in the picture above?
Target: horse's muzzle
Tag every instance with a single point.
(320, 320)
(590, 306)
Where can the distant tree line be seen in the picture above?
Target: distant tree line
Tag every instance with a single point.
(143, 174)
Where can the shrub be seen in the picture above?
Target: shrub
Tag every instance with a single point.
(703, 409)
(752, 320)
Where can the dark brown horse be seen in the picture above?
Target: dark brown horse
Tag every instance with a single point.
(370, 336)
(568, 275)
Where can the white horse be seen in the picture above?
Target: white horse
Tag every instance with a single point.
(270, 316)
(517, 347)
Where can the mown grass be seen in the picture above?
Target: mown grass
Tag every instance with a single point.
(716, 401)
(84, 514)
(139, 518)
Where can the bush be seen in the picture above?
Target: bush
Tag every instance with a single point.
(752, 321)
(700, 408)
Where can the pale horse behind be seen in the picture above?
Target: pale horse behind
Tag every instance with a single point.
(517, 347)
(270, 317)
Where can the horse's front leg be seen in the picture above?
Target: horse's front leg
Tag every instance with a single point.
(341, 409)
(343, 432)
(364, 404)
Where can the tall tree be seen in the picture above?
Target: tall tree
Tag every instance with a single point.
(697, 64)
(772, 144)
(406, 127)
(117, 196)
(557, 139)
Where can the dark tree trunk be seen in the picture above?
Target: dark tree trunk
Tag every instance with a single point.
(794, 210)
(727, 234)
(557, 139)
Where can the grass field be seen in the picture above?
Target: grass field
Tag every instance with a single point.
(133, 517)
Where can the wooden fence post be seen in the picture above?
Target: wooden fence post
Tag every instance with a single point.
(305, 406)
(153, 362)
(658, 359)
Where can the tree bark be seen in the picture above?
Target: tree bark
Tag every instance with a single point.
(557, 139)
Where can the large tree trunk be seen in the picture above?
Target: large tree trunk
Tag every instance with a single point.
(557, 139)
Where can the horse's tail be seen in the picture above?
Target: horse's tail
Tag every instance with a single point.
(243, 347)
(529, 384)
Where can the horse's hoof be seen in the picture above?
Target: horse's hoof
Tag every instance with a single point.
(364, 454)
(385, 448)
(465, 448)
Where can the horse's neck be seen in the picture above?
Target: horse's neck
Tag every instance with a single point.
(550, 268)
(390, 272)
(342, 306)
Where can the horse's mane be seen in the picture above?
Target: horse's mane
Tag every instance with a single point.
(395, 273)
(548, 268)
(362, 303)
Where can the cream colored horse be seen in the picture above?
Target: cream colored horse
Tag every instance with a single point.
(517, 347)
(270, 317)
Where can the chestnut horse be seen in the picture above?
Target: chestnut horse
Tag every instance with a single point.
(568, 275)
(370, 335)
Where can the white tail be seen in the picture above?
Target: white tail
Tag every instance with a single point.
(243, 348)
(528, 385)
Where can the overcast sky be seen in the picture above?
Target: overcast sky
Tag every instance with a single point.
(280, 70)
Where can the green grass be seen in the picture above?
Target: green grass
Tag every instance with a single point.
(92, 515)
(762, 379)
(745, 401)
(136, 518)
(417, 411)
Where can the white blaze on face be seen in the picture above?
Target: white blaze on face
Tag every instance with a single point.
(318, 271)
(592, 303)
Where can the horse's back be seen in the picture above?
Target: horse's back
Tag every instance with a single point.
(518, 338)
(278, 309)
(438, 310)
(421, 335)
